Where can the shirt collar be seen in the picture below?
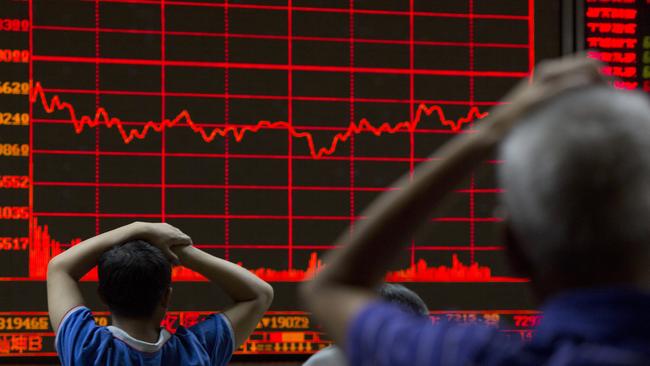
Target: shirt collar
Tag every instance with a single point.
(137, 344)
(596, 314)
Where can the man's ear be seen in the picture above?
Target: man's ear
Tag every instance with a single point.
(167, 297)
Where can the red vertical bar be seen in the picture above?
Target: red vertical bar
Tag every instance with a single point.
(531, 37)
(472, 223)
(163, 162)
(290, 138)
(32, 97)
(226, 112)
(412, 117)
(352, 116)
(97, 105)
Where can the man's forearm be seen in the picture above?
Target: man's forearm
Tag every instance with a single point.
(394, 217)
(81, 258)
(366, 254)
(236, 281)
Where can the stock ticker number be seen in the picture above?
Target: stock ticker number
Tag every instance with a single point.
(14, 25)
(14, 150)
(14, 181)
(15, 56)
(14, 212)
(14, 119)
(14, 87)
(24, 323)
(11, 243)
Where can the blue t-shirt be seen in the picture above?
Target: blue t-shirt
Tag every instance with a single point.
(583, 328)
(79, 341)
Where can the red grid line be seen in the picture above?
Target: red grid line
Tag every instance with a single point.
(352, 116)
(226, 165)
(328, 247)
(326, 10)
(411, 104)
(246, 217)
(269, 97)
(424, 131)
(283, 38)
(235, 186)
(531, 37)
(163, 87)
(472, 85)
(97, 130)
(289, 135)
(280, 67)
(425, 248)
(242, 156)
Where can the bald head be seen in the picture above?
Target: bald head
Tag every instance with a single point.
(577, 187)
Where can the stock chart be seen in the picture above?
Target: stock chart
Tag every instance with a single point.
(262, 129)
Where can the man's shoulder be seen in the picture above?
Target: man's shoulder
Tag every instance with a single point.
(382, 331)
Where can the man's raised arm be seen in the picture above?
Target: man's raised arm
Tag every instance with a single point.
(251, 295)
(347, 282)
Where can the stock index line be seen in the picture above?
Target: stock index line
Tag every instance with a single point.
(37, 94)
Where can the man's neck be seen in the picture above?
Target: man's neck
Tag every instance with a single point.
(146, 330)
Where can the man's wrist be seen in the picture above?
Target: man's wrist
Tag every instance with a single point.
(140, 230)
(182, 251)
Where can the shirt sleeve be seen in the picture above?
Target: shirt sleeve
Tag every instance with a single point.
(384, 335)
(216, 335)
(77, 337)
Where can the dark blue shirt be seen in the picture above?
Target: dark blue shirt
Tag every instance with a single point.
(581, 328)
(79, 341)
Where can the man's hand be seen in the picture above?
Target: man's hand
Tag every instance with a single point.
(552, 78)
(164, 237)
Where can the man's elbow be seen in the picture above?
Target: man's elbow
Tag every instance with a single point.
(55, 265)
(265, 295)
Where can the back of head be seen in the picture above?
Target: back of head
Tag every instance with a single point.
(576, 175)
(393, 293)
(133, 278)
(409, 300)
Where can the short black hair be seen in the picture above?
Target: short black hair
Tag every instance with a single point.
(133, 278)
(409, 300)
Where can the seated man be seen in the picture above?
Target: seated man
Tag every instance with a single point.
(576, 179)
(134, 267)
(408, 300)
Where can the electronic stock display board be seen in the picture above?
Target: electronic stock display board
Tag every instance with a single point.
(262, 129)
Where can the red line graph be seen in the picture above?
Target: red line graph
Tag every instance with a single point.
(239, 132)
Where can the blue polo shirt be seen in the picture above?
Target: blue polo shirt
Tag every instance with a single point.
(582, 328)
(79, 341)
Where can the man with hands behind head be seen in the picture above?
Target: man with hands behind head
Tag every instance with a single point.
(576, 176)
(134, 266)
